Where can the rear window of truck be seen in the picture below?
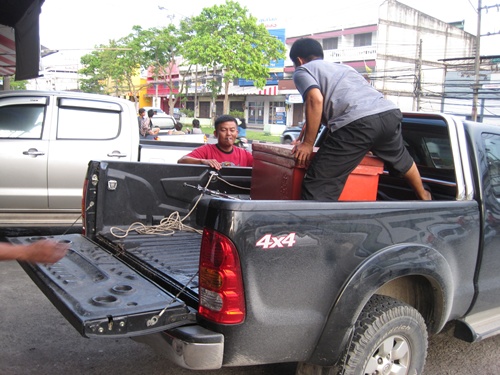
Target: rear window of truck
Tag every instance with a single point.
(86, 119)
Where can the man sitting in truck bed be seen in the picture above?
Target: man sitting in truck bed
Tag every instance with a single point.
(223, 153)
(145, 128)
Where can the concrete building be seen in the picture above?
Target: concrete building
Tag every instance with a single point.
(401, 53)
(411, 50)
(59, 72)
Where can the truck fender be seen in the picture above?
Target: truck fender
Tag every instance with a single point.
(379, 269)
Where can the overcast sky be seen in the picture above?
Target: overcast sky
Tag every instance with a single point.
(77, 26)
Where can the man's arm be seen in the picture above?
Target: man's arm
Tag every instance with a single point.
(187, 159)
(39, 252)
(314, 111)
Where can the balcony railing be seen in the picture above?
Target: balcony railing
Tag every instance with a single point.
(351, 54)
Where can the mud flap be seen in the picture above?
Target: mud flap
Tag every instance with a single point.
(101, 296)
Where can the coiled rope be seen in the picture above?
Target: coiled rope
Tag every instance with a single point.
(170, 224)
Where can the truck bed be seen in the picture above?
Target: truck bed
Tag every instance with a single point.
(174, 257)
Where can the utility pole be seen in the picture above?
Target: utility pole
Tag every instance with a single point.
(419, 76)
(196, 112)
(156, 98)
(477, 63)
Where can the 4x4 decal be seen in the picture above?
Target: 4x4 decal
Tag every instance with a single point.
(268, 241)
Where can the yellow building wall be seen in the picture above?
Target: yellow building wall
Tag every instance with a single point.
(138, 82)
(144, 101)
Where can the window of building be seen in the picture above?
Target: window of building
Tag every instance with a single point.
(330, 43)
(277, 113)
(361, 40)
(204, 109)
(256, 112)
(236, 106)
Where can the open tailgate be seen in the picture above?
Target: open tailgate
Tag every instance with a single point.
(103, 297)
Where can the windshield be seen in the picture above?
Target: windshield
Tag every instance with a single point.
(157, 110)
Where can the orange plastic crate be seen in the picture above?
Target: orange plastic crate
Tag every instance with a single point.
(275, 175)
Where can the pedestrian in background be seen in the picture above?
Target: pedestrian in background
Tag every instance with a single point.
(196, 126)
(177, 129)
(242, 128)
(144, 125)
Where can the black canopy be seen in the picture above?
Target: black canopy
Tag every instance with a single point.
(20, 38)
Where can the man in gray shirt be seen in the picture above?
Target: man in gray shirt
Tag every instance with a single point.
(359, 120)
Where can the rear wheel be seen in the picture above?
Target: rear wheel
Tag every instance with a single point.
(390, 338)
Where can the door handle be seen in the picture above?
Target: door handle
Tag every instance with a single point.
(33, 152)
(117, 154)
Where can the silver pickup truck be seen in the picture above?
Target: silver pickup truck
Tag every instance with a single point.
(47, 140)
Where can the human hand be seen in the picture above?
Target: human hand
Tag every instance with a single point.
(44, 251)
(211, 163)
(302, 153)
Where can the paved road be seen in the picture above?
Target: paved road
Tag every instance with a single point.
(36, 339)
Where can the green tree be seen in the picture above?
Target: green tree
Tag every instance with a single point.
(17, 85)
(111, 68)
(95, 77)
(161, 56)
(227, 38)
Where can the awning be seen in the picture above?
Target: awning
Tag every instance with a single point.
(252, 90)
(20, 38)
(7, 51)
(270, 90)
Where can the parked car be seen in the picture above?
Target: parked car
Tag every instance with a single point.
(162, 120)
(46, 141)
(292, 133)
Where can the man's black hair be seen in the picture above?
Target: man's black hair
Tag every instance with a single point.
(224, 118)
(307, 48)
(151, 113)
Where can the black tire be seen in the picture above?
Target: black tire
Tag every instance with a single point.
(390, 337)
(287, 141)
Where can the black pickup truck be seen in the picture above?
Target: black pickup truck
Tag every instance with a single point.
(180, 258)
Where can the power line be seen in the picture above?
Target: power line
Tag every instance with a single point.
(473, 7)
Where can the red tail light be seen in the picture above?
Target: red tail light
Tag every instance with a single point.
(222, 298)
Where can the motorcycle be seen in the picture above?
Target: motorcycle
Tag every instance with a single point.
(242, 142)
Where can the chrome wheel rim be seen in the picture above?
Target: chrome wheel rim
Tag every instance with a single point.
(392, 357)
